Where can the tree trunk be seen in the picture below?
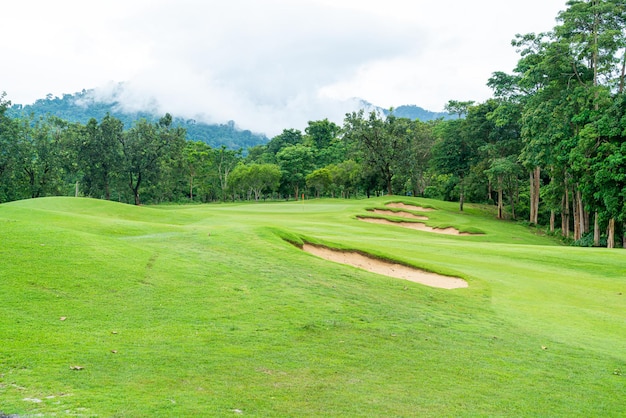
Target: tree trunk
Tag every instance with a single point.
(535, 183)
(461, 201)
(576, 216)
(537, 194)
(583, 226)
(552, 220)
(500, 205)
(461, 195)
(135, 188)
(532, 196)
(565, 214)
(621, 79)
(513, 208)
(596, 230)
(610, 241)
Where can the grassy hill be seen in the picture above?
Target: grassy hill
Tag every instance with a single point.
(115, 310)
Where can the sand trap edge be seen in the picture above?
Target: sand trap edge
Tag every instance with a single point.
(419, 226)
(398, 213)
(400, 205)
(386, 268)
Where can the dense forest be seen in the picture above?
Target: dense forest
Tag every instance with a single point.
(549, 147)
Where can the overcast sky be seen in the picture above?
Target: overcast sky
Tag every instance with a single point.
(267, 64)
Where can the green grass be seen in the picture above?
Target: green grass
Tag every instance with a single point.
(210, 311)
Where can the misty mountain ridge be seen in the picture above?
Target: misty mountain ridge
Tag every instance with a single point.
(82, 106)
(414, 112)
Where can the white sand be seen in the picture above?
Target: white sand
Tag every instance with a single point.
(386, 268)
(400, 214)
(416, 225)
(409, 207)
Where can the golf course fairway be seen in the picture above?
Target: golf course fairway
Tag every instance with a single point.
(115, 310)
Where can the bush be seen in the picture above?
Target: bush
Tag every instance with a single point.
(587, 241)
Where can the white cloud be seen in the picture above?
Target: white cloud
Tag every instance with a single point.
(268, 64)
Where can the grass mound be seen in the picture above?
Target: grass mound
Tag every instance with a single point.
(114, 310)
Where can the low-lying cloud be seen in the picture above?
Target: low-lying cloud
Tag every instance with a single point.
(269, 65)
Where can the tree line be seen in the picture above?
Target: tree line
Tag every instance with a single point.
(549, 146)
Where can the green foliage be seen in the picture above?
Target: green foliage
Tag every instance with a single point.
(256, 178)
(587, 240)
(287, 138)
(322, 133)
(382, 144)
(100, 156)
(145, 147)
(295, 162)
(459, 108)
(198, 165)
(319, 180)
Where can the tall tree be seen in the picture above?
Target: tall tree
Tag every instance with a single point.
(415, 163)
(458, 107)
(225, 162)
(319, 180)
(40, 155)
(594, 32)
(346, 177)
(256, 178)
(286, 138)
(9, 134)
(322, 132)
(296, 162)
(100, 155)
(457, 149)
(144, 147)
(382, 142)
(323, 137)
(196, 162)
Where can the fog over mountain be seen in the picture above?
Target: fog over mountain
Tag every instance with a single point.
(268, 65)
(265, 118)
(232, 129)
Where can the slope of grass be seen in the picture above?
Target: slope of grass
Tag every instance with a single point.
(208, 311)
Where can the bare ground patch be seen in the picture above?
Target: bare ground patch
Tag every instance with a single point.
(386, 268)
(400, 214)
(416, 225)
(409, 207)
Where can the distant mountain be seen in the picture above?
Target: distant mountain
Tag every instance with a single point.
(80, 107)
(415, 112)
(412, 112)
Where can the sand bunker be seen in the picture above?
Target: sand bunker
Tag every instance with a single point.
(400, 214)
(409, 207)
(386, 268)
(416, 225)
